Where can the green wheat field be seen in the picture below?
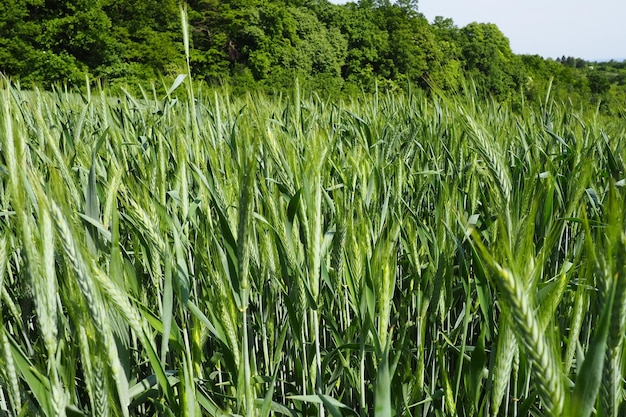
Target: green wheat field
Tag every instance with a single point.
(190, 253)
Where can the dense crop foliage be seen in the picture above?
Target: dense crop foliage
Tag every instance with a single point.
(394, 255)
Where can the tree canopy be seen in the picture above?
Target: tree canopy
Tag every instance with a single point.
(268, 43)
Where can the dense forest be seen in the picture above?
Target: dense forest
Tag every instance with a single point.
(266, 44)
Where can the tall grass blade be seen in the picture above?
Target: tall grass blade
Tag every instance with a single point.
(589, 375)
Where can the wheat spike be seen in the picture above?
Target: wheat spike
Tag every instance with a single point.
(545, 368)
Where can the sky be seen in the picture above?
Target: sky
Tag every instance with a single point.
(592, 30)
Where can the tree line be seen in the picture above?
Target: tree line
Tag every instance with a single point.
(336, 49)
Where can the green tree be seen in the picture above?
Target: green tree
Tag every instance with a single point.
(367, 41)
(448, 69)
(80, 28)
(16, 37)
(489, 59)
(51, 42)
(409, 43)
(598, 82)
(318, 50)
(209, 41)
(149, 40)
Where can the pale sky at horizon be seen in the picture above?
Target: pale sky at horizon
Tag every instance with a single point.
(592, 30)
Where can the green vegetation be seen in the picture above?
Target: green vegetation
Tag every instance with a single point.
(396, 254)
(338, 50)
(428, 225)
